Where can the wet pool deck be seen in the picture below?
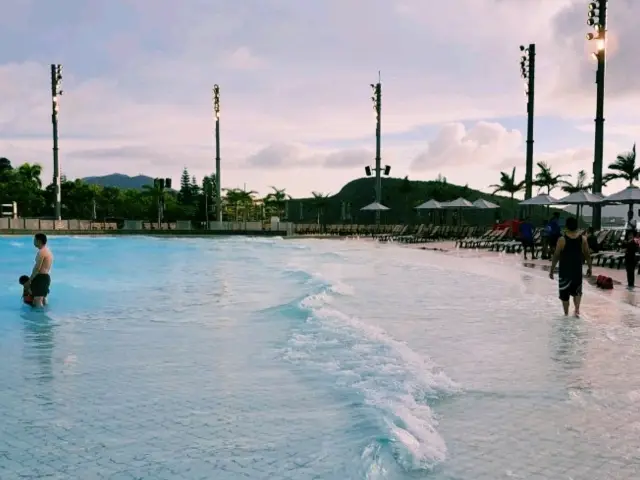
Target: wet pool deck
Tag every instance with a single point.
(587, 430)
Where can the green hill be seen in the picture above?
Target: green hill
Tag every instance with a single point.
(401, 196)
(119, 180)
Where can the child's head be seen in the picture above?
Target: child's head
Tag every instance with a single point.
(23, 279)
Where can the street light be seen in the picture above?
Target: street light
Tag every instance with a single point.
(56, 93)
(597, 19)
(528, 73)
(216, 114)
(376, 98)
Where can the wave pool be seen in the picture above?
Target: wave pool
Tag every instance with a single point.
(179, 358)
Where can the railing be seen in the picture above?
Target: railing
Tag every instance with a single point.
(36, 224)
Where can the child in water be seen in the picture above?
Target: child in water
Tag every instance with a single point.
(26, 292)
(27, 297)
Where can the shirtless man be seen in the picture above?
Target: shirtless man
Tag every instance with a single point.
(40, 281)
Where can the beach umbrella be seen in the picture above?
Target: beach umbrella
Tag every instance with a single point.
(429, 205)
(580, 198)
(629, 195)
(483, 204)
(542, 199)
(458, 203)
(374, 207)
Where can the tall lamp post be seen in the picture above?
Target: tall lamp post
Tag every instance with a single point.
(376, 98)
(56, 92)
(597, 18)
(161, 184)
(216, 113)
(528, 73)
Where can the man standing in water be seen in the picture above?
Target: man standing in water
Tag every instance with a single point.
(571, 251)
(40, 281)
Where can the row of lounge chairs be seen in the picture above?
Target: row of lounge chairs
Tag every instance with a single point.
(391, 232)
(610, 253)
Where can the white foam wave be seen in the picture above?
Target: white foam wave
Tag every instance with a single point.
(391, 377)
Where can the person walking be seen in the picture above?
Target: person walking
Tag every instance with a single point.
(571, 252)
(526, 237)
(630, 261)
(554, 231)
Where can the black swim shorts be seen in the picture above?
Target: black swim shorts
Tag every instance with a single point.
(40, 285)
(569, 288)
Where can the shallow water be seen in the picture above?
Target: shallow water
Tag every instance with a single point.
(265, 358)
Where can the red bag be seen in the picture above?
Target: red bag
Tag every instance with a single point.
(604, 282)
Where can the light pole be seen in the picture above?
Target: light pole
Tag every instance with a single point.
(56, 92)
(528, 73)
(597, 18)
(216, 113)
(376, 98)
(161, 184)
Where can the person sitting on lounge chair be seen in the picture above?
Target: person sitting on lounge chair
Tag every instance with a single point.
(592, 241)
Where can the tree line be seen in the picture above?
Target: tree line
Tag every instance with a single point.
(194, 200)
(623, 168)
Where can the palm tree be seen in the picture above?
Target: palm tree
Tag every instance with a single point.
(240, 198)
(277, 200)
(320, 201)
(545, 178)
(582, 184)
(508, 184)
(624, 168)
(30, 174)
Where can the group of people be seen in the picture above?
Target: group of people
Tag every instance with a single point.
(551, 233)
(571, 250)
(35, 287)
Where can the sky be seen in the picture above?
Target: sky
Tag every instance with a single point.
(296, 109)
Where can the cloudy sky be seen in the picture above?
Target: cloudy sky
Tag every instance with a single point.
(295, 96)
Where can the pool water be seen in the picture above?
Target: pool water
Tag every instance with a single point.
(266, 358)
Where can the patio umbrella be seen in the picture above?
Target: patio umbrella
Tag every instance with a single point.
(483, 204)
(629, 196)
(542, 199)
(374, 207)
(429, 205)
(580, 198)
(458, 204)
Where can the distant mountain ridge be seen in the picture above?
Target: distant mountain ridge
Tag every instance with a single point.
(119, 180)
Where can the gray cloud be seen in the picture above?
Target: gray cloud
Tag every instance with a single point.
(348, 159)
(278, 155)
(283, 155)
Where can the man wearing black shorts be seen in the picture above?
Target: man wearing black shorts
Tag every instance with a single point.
(571, 252)
(40, 281)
